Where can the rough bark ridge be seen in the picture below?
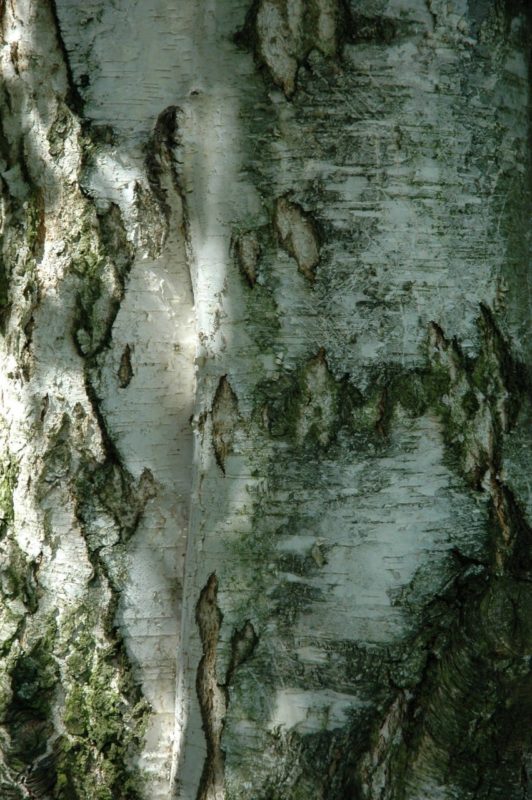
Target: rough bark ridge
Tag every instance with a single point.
(71, 713)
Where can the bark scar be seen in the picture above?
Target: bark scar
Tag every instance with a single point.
(224, 421)
(214, 696)
(297, 235)
(125, 370)
(211, 695)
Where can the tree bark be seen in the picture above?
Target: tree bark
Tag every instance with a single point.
(264, 400)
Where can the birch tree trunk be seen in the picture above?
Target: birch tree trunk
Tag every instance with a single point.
(264, 400)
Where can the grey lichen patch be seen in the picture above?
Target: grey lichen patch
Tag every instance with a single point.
(247, 251)
(125, 370)
(225, 418)
(283, 32)
(297, 234)
(211, 695)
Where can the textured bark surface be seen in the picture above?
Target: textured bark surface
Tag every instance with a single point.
(97, 388)
(264, 398)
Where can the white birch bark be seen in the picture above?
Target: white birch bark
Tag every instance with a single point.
(264, 400)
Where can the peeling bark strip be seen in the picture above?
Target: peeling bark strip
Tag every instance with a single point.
(211, 695)
(161, 166)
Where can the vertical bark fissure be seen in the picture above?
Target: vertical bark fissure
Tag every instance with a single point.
(213, 694)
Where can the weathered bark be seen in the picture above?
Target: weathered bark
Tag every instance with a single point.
(346, 187)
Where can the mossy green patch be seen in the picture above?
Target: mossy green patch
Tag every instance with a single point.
(27, 718)
(291, 598)
(309, 406)
(311, 416)
(102, 257)
(17, 581)
(8, 481)
(4, 285)
(262, 310)
(104, 716)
